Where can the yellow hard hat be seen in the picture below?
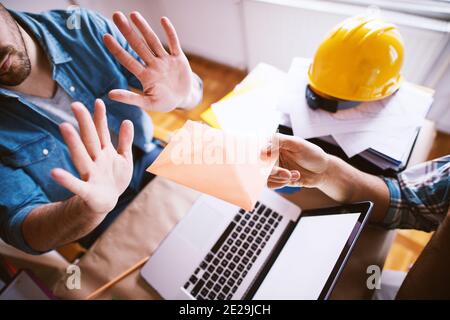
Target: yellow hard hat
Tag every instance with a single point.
(360, 60)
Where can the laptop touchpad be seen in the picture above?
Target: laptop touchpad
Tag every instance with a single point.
(201, 226)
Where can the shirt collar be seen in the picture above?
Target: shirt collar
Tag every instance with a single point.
(47, 40)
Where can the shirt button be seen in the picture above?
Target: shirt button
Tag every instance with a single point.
(45, 152)
(72, 89)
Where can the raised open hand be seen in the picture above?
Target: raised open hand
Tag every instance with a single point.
(166, 77)
(105, 172)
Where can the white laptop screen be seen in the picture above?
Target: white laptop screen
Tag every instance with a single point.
(308, 257)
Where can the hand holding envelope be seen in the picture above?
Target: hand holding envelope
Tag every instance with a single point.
(224, 165)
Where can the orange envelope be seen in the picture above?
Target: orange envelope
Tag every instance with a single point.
(220, 164)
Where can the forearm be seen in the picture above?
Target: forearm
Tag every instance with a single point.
(55, 224)
(344, 183)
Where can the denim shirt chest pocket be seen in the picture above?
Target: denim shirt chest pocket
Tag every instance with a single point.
(37, 157)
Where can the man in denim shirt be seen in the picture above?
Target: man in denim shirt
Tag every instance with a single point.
(65, 176)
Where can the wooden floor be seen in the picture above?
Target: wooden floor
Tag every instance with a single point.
(218, 80)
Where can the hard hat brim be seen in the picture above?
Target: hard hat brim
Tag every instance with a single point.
(361, 98)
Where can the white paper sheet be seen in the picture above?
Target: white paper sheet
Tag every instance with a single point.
(252, 112)
(265, 75)
(254, 109)
(403, 110)
(395, 145)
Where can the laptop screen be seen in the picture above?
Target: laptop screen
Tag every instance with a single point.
(303, 266)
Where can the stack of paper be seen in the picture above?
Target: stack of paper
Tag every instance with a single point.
(382, 131)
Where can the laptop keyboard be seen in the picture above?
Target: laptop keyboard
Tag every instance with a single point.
(225, 266)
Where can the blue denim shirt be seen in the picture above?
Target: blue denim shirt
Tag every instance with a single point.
(30, 142)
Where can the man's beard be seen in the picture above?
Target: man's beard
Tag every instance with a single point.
(19, 69)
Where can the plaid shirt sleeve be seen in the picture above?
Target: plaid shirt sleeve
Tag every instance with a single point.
(419, 196)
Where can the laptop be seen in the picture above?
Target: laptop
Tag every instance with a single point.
(276, 251)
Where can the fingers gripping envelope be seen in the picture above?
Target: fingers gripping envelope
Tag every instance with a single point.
(227, 166)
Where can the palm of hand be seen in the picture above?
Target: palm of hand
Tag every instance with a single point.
(166, 76)
(104, 171)
(166, 82)
(109, 175)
